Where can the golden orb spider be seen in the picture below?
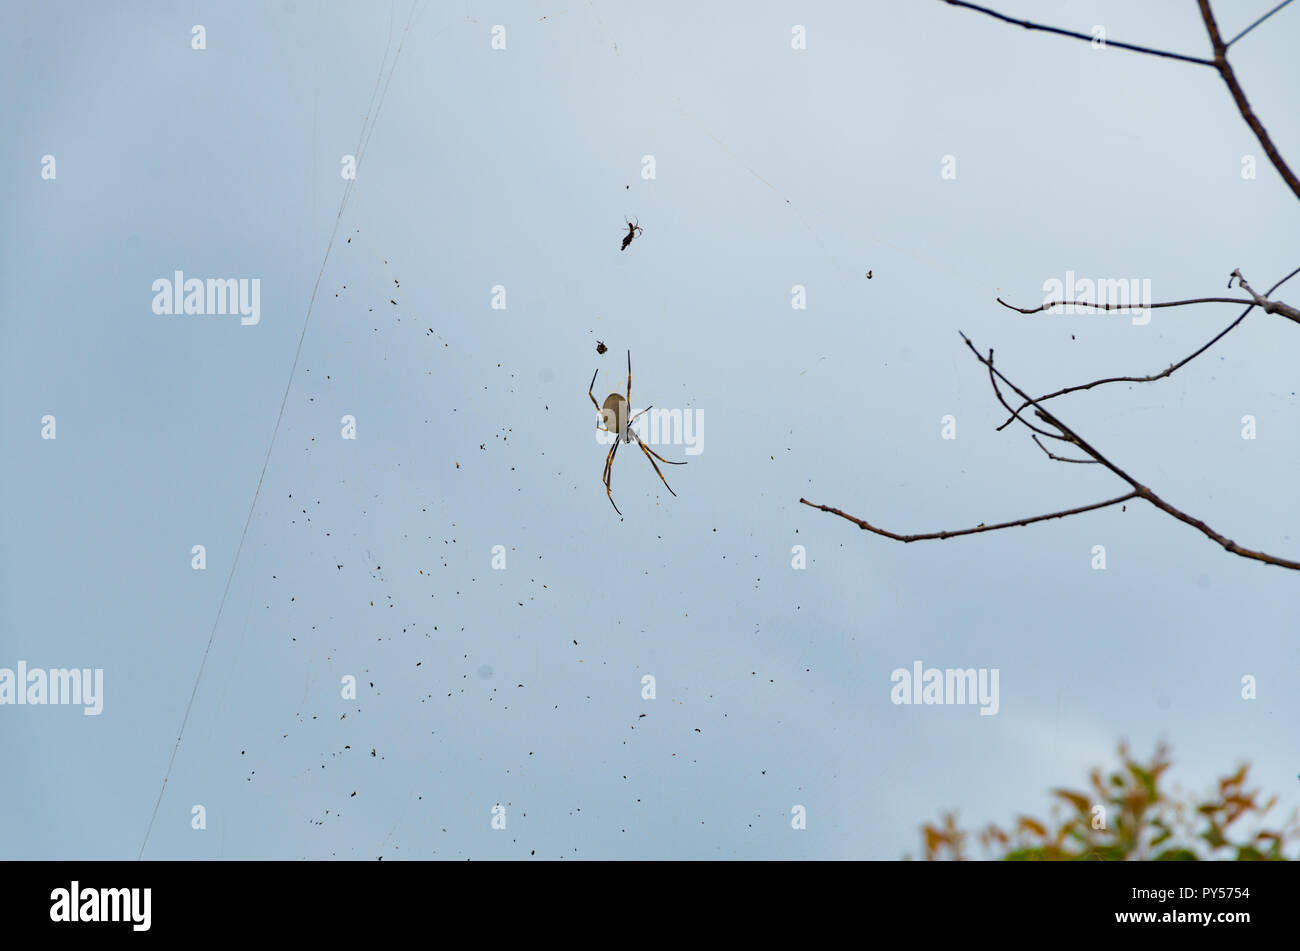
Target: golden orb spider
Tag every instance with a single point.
(614, 419)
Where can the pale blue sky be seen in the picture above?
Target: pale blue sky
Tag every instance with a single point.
(774, 167)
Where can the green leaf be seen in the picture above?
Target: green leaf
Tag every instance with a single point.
(1146, 779)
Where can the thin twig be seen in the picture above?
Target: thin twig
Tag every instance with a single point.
(1256, 23)
(1084, 303)
(969, 531)
(1051, 455)
(1078, 36)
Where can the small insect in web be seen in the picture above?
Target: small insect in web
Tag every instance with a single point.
(600, 346)
(614, 419)
(868, 275)
(632, 231)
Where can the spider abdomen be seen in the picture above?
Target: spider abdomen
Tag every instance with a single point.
(615, 415)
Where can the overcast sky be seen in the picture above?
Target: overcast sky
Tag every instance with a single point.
(372, 557)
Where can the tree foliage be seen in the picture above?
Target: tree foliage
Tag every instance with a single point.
(1128, 815)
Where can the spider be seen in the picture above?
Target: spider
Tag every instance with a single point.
(615, 411)
(632, 231)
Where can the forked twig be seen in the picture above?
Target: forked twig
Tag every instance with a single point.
(1239, 97)
(1169, 371)
(1219, 63)
(1068, 435)
(1263, 303)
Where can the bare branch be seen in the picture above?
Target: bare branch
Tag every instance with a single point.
(1078, 36)
(1142, 490)
(1239, 96)
(1227, 543)
(1220, 63)
(1084, 303)
(1256, 23)
(1157, 376)
(1139, 490)
(970, 531)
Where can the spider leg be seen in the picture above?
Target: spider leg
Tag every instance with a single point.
(661, 458)
(652, 462)
(609, 472)
(629, 380)
(589, 389)
(638, 415)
